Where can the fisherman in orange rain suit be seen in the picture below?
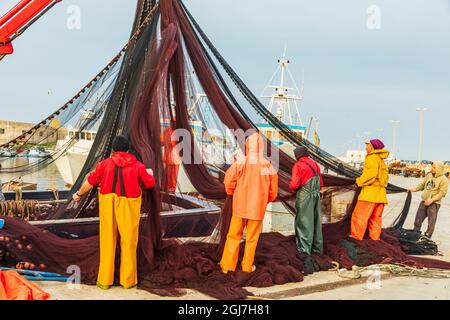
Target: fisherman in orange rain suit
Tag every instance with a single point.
(120, 178)
(253, 182)
(171, 160)
(372, 199)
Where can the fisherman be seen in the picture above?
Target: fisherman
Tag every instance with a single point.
(253, 182)
(119, 178)
(171, 159)
(372, 199)
(435, 188)
(307, 181)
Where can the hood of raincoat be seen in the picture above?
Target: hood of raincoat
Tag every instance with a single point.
(382, 153)
(440, 169)
(123, 159)
(252, 182)
(254, 150)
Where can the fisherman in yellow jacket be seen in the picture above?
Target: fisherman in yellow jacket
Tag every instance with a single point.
(372, 199)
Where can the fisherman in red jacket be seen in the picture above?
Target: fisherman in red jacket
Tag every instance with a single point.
(120, 178)
(307, 181)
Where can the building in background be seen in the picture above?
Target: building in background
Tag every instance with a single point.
(12, 129)
(354, 157)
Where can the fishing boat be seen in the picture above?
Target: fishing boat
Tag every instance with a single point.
(37, 152)
(70, 162)
(73, 150)
(7, 153)
(283, 97)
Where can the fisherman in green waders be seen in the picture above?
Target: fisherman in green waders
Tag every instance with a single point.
(307, 181)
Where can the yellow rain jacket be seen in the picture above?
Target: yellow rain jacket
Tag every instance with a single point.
(375, 177)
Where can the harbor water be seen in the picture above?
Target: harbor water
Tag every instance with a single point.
(46, 179)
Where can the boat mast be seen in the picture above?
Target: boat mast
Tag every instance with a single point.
(284, 103)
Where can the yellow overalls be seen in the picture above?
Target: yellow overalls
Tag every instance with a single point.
(118, 213)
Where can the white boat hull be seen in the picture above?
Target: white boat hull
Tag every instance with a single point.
(70, 166)
(71, 162)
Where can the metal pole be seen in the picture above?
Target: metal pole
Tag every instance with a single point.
(394, 135)
(421, 117)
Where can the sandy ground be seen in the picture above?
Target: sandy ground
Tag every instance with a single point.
(322, 285)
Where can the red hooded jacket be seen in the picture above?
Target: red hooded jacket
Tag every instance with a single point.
(302, 173)
(134, 174)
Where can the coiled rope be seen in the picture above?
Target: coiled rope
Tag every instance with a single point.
(400, 270)
(24, 209)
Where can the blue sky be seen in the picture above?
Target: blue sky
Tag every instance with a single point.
(356, 79)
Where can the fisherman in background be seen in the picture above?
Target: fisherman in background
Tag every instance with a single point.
(306, 181)
(435, 188)
(253, 182)
(119, 178)
(372, 199)
(171, 159)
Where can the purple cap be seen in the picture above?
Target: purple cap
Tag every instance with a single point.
(376, 144)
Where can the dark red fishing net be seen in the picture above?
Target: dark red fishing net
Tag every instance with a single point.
(193, 264)
(152, 76)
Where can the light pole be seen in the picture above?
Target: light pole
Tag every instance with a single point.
(395, 123)
(421, 116)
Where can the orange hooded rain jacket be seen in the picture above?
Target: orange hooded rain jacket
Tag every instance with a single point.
(252, 181)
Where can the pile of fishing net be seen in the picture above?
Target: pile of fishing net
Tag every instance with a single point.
(415, 243)
(175, 265)
(155, 89)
